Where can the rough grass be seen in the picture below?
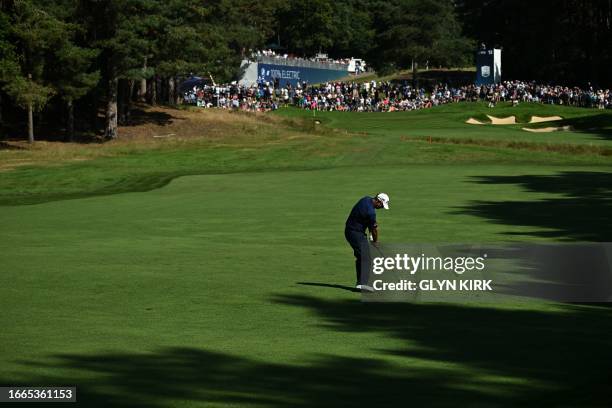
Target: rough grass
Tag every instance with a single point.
(565, 148)
(155, 129)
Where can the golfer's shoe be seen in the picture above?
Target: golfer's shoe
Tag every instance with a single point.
(365, 288)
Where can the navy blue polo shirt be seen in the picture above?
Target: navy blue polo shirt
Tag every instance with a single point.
(362, 216)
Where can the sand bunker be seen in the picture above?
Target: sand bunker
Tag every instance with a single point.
(473, 121)
(549, 129)
(540, 119)
(510, 120)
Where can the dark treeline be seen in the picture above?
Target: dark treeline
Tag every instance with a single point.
(80, 65)
(561, 41)
(76, 58)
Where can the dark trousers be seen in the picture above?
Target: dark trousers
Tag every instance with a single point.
(361, 250)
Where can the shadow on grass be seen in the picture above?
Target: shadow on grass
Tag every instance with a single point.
(53, 129)
(496, 357)
(10, 146)
(141, 117)
(139, 183)
(581, 212)
(445, 356)
(598, 124)
(330, 285)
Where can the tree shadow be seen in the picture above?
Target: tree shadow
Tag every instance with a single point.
(140, 116)
(198, 376)
(517, 357)
(51, 127)
(11, 146)
(599, 125)
(581, 213)
(450, 355)
(52, 132)
(140, 183)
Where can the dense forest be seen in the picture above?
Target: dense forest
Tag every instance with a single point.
(82, 64)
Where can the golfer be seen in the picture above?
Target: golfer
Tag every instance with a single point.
(362, 217)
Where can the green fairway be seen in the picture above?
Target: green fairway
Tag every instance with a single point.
(590, 126)
(216, 274)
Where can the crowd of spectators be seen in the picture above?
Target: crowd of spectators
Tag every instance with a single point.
(321, 57)
(521, 91)
(260, 98)
(376, 96)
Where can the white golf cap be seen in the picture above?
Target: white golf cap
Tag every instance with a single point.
(384, 199)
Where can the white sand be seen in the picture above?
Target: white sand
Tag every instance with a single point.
(473, 121)
(540, 119)
(549, 129)
(510, 120)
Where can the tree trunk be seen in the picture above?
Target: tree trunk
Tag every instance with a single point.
(94, 108)
(162, 91)
(121, 100)
(1, 122)
(177, 93)
(70, 120)
(128, 101)
(142, 91)
(171, 91)
(30, 123)
(152, 85)
(111, 131)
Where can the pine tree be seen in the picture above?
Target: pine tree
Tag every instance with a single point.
(74, 77)
(309, 26)
(34, 32)
(9, 64)
(420, 31)
(119, 29)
